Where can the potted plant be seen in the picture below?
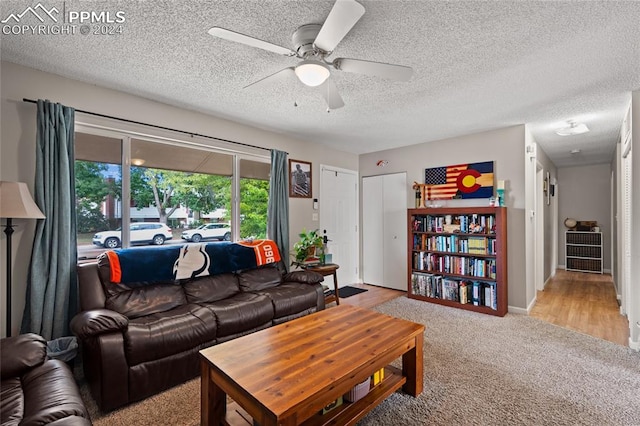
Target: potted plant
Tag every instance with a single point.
(304, 251)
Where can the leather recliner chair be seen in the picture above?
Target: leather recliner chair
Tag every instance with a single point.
(35, 389)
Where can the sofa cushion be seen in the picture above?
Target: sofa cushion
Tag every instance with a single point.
(211, 288)
(260, 278)
(50, 394)
(138, 299)
(242, 312)
(291, 298)
(147, 300)
(166, 333)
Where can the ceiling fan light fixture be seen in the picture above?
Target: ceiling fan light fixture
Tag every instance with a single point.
(574, 128)
(312, 73)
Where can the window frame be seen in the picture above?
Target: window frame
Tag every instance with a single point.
(125, 132)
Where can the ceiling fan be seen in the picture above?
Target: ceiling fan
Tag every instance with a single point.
(313, 43)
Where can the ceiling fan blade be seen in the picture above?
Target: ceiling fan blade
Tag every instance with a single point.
(249, 41)
(378, 69)
(343, 16)
(279, 76)
(329, 92)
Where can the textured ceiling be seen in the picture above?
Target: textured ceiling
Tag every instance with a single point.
(477, 66)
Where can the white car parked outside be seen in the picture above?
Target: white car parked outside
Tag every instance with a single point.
(209, 231)
(139, 233)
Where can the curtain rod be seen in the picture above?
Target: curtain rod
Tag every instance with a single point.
(159, 127)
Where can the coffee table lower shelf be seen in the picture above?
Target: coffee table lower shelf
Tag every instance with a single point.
(350, 412)
(346, 414)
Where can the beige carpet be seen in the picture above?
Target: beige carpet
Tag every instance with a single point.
(479, 370)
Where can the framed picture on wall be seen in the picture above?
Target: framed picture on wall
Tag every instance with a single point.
(546, 189)
(299, 179)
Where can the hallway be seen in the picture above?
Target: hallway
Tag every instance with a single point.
(585, 303)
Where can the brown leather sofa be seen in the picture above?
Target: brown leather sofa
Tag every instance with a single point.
(36, 390)
(139, 340)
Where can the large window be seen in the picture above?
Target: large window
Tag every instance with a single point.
(187, 190)
(254, 197)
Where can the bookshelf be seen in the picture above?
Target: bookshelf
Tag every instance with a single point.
(458, 257)
(583, 251)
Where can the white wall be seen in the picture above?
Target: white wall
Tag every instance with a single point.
(634, 289)
(550, 224)
(506, 148)
(585, 194)
(17, 159)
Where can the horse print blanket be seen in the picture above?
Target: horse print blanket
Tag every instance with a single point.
(177, 262)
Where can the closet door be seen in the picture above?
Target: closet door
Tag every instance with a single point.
(372, 230)
(395, 231)
(384, 236)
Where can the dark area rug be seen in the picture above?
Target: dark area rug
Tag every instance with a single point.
(348, 291)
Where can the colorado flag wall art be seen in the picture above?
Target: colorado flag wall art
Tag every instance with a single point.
(460, 181)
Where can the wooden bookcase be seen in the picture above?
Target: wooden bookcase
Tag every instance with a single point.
(583, 251)
(462, 264)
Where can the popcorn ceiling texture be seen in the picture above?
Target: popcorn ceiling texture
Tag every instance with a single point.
(477, 66)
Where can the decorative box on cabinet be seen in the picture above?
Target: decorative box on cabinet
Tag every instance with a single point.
(583, 251)
(458, 257)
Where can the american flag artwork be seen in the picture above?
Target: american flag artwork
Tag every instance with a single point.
(473, 180)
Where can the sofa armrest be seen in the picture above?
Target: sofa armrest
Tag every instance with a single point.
(305, 277)
(97, 321)
(20, 354)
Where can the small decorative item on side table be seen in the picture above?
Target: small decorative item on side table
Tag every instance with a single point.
(306, 251)
(324, 270)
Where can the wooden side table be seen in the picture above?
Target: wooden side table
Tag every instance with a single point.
(324, 270)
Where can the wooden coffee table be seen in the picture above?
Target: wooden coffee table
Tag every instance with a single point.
(286, 374)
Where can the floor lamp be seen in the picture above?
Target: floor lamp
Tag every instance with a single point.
(15, 203)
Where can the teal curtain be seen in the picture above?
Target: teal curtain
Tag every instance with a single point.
(52, 294)
(278, 210)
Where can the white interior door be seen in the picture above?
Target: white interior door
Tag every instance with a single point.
(339, 217)
(372, 230)
(395, 231)
(384, 230)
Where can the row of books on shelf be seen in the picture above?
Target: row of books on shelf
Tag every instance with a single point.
(357, 392)
(455, 244)
(466, 224)
(433, 262)
(477, 293)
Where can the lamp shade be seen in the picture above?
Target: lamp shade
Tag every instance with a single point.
(16, 202)
(312, 73)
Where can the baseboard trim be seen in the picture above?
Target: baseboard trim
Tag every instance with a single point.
(634, 345)
(516, 310)
(562, 267)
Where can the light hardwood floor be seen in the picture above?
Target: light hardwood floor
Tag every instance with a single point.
(585, 303)
(373, 297)
(582, 302)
